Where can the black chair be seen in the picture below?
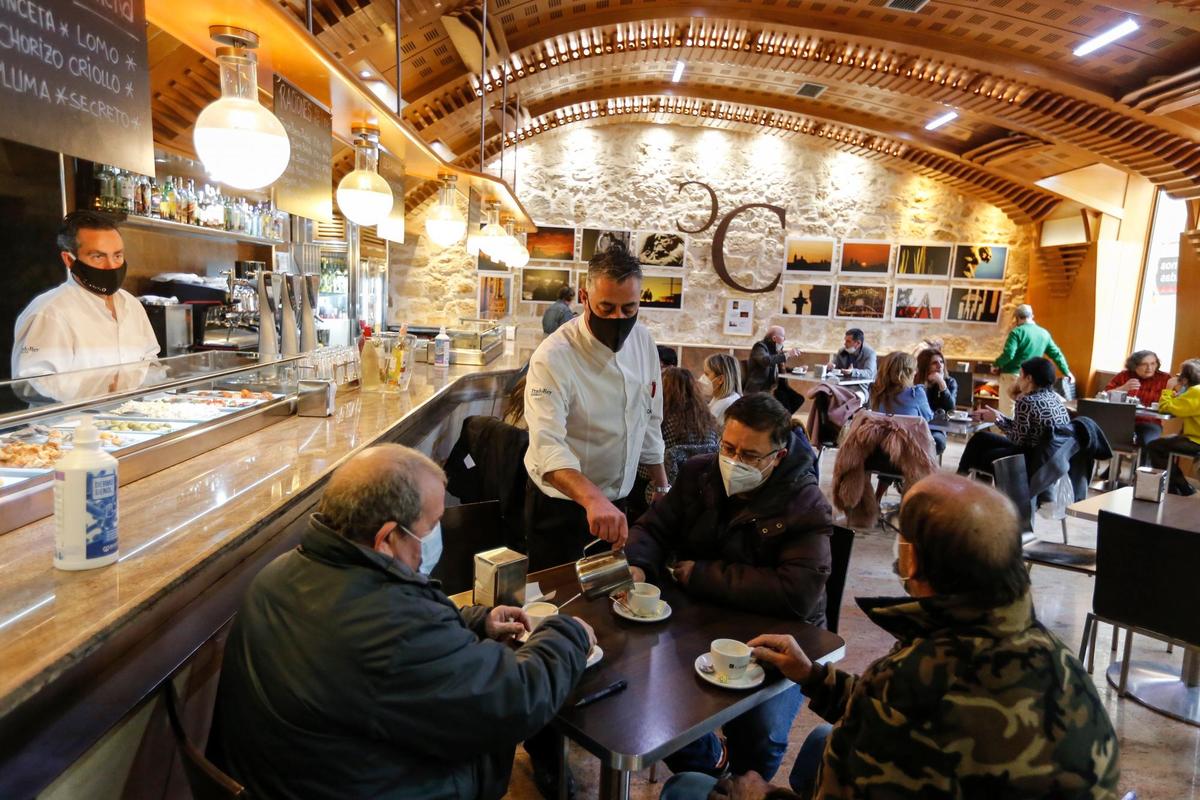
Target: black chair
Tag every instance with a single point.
(1116, 421)
(466, 530)
(840, 544)
(206, 781)
(965, 392)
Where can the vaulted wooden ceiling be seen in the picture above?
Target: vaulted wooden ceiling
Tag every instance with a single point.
(1027, 106)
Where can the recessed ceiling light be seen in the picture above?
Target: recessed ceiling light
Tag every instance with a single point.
(678, 72)
(1108, 37)
(364, 74)
(942, 120)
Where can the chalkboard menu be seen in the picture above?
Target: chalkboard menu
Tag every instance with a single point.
(74, 78)
(306, 186)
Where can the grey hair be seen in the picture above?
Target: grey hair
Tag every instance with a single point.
(1024, 311)
(375, 487)
(616, 263)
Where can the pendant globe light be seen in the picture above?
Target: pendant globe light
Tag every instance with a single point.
(445, 224)
(363, 196)
(491, 240)
(520, 254)
(241, 143)
(514, 251)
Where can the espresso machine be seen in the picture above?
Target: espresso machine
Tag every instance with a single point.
(308, 288)
(268, 308)
(289, 314)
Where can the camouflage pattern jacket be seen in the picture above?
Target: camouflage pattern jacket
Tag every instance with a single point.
(971, 703)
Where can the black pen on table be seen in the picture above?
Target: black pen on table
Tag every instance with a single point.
(600, 694)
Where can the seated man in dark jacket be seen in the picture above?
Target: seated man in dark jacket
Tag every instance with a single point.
(750, 529)
(349, 674)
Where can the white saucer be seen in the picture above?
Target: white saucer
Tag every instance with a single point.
(753, 676)
(664, 611)
(595, 657)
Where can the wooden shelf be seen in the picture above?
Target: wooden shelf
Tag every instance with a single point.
(183, 229)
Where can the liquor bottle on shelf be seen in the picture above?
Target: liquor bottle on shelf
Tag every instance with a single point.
(167, 204)
(155, 208)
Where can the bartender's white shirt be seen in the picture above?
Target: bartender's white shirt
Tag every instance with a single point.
(593, 410)
(70, 328)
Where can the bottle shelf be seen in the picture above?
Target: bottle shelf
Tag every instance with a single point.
(184, 229)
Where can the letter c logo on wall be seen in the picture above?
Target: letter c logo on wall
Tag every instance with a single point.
(718, 242)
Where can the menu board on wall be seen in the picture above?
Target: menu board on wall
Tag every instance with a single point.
(74, 78)
(306, 187)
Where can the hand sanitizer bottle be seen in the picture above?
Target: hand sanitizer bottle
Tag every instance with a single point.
(85, 503)
(441, 349)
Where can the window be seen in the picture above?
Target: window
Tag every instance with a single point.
(1160, 280)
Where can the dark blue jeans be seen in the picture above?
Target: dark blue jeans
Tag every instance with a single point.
(757, 740)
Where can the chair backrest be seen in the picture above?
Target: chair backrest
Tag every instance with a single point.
(1145, 576)
(840, 544)
(466, 530)
(965, 393)
(204, 779)
(1115, 420)
(1012, 481)
(1065, 388)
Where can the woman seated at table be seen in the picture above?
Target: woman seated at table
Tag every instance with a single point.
(1181, 399)
(723, 379)
(1037, 412)
(940, 389)
(686, 421)
(1143, 377)
(893, 392)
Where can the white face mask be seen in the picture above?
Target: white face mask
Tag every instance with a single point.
(706, 384)
(431, 547)
(739, 477)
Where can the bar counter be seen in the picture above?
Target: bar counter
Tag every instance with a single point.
(183, 533)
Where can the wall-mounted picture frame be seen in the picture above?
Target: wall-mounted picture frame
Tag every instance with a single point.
(542, 284)
(660, 248)
(806, 299)
(980, 262)
(923, 260)
(551, 243)
(485, 264)
(809, 256)
(865, 257)
(739, 317)
(597, 240)
(861, 301)
(494, 296)
(919, 302)
(662, 292)
(975, 304)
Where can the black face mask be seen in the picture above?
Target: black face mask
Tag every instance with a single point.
(100, 281)
(611, 332)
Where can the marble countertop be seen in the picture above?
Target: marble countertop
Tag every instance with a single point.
(175, 521)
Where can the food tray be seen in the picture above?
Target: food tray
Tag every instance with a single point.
(11, 476)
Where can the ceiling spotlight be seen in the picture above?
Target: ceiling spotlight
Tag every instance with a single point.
(364, 74)
(1108, 37)
(678, 72)
(942, 120)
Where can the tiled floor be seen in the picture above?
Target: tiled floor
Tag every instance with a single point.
(1160, 758)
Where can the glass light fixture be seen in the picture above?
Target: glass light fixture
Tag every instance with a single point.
(513, 249)
(520, 255)
(491, 241)
(363, 196)
(445, 224)
(241, 143)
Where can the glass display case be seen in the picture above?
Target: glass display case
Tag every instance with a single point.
(151, 415)
(472, 341)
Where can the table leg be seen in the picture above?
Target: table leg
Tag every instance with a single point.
(1191, 667)
(564, 754)
(1159, 687)
(614, 784)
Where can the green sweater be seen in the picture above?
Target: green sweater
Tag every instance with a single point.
(1027, 341)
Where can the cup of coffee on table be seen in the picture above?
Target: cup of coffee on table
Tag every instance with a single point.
(729, 658)
(644, 599)
(539, 612)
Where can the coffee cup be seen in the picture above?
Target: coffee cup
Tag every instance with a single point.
(539, 612)
(729, 658)
(644, 599)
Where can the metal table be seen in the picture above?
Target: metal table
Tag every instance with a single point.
(1174, 511)
(959, 427)
(1142, 411)
(811, 377)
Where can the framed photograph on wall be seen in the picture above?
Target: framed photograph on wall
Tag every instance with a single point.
(975, 304)
(662, 292)
(923, 260)
(659, 248)
(485, 264)
(814, 256)
(980, 262)
(920, 302)
(861, 301)
(551, 243)
(542, 284)
(739, 317)
(865, 257)
(806, 299)
(494, 296)
(597, 240)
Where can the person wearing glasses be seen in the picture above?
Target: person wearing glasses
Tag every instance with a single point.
(1142, 376)
(748, 528)
(88, 320)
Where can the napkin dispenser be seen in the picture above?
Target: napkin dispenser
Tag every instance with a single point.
(1150, 484)
(500, 577)
(315, 398)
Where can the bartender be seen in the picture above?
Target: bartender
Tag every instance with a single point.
(87, 321)
(593, 402)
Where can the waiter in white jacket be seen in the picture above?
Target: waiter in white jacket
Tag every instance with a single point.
(88, 321)
(593, 402)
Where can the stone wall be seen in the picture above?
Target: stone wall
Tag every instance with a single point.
(625, 176)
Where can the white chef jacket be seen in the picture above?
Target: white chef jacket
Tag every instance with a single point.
(70, 328)
(593, 410)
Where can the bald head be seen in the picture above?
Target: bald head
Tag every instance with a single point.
(966, 539)
(386, 483)
(776, 333)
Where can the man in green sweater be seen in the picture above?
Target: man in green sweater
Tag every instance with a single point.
(1026, 340)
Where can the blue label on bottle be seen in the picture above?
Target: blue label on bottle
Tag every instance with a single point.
(101, 513)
